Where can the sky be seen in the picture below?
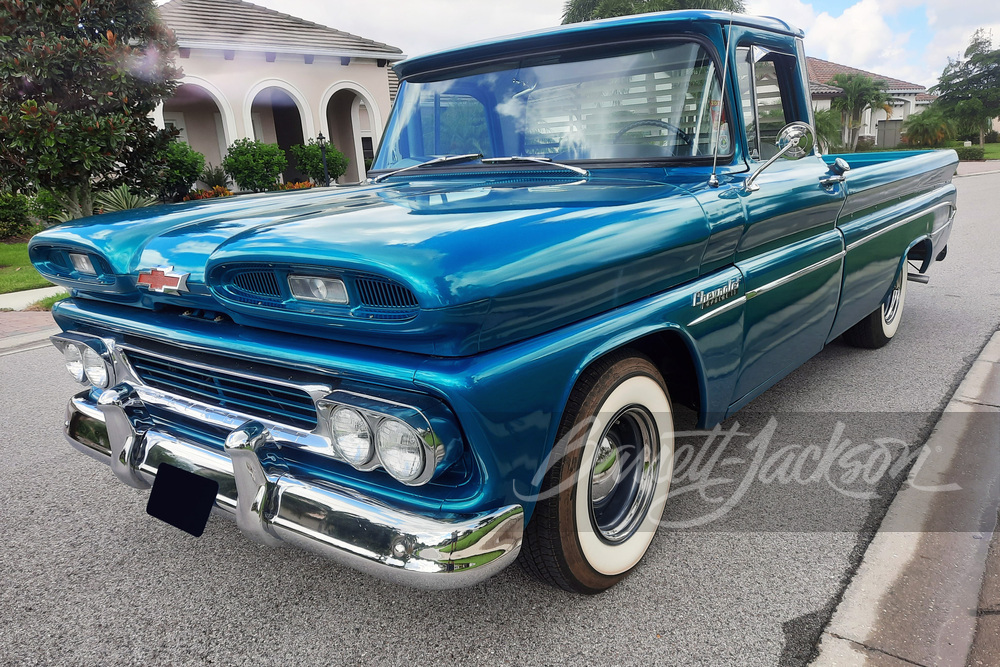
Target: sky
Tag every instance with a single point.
(904, 39)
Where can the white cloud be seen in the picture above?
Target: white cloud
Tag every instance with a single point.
(795, 12)
(427, 25)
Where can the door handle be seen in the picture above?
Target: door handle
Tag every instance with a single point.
(830, 181)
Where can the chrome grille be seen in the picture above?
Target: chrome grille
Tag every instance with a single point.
(258, 283)
(384, 294)
(257, 398)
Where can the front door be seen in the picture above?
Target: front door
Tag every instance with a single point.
(791, 253)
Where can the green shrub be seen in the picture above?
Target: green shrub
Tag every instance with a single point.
(46, 207)
(970, 153)
(214, 177)
(310, 161)
(15, 212)
(121, 199)
(183, 167)
(254, 165)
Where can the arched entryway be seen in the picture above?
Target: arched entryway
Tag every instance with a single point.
(275, 118)
(199, 120)
(354, 126)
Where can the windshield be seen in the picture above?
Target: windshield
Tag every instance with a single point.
(661, 102)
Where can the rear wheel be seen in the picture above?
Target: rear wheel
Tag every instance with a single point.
(608, 479)
(881, 324)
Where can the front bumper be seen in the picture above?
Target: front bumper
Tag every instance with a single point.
(273, 507)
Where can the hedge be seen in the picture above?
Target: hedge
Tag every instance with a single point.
(970, 153)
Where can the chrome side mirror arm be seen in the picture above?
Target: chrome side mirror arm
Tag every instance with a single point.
(788, 139)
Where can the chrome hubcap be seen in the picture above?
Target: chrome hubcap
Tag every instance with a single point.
(623, 477)
(890, 308)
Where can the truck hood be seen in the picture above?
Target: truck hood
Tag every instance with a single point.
(504, 259)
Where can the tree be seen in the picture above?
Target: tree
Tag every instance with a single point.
(183, 167)
(829, 129)
(860, 92)
(929, 128)
(78, 81)
(254, 165)
(588, 10)
(969, 88)
(310, 161)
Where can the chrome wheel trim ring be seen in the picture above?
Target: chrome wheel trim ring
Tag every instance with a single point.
(890, 307)
(624, 475)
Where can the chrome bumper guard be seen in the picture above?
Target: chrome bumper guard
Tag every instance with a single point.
(273, 507)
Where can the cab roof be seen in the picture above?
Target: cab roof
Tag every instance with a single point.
(611, 30)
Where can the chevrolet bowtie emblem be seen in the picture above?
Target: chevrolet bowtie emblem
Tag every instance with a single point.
(163, 279)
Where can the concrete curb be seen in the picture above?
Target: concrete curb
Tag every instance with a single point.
(915, 597)
(21, 300)
(977, 173)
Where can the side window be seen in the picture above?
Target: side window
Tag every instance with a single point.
(763, 80)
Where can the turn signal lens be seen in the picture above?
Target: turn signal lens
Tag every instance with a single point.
(82, 264)
(352, 436)
(74, 362)
(95, 368)
(311, 288)
(400, 450)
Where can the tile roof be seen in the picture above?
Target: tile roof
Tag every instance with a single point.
(817, 88)
(822, 71)
(926, 97)
(239, 24)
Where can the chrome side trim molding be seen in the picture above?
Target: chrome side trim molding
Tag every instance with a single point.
(899, 223)
(729, 305)
(424, 550)
(795, 275)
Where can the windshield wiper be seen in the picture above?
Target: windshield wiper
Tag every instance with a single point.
(539, 160)
(444, 159)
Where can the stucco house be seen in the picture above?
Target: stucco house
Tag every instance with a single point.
(905, 98)
(251, 72)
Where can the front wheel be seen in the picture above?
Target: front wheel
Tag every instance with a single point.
(881, 324)
(608, 478)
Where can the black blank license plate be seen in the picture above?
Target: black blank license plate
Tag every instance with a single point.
(182, 499)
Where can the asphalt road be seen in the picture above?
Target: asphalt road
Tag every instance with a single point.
(86, 577)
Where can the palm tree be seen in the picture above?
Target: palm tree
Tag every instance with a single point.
(588, 10)
(928, 128)
(829, 129)
(860, 93)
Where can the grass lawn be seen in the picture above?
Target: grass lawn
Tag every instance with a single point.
(991, 151)
(47, 302)
(16, 272)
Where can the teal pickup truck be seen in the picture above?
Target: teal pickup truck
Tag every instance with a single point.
(476, 355)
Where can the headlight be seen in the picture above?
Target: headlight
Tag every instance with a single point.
(352, 436)
(95, 368)
(82, 264)
(74, 362)
(311, 288)
(400, 450)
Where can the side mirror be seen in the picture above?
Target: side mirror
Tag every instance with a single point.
(795, 141)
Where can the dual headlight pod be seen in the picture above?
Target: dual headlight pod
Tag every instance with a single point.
(88, 360)
(369, 433)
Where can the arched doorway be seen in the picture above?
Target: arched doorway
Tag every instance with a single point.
(200, 123)
(354, 128)
(276, 119)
